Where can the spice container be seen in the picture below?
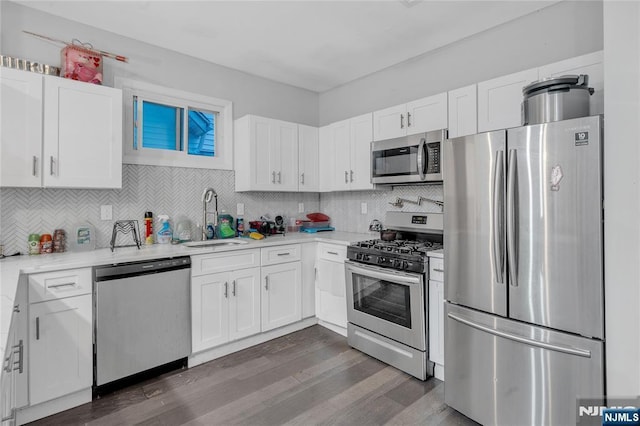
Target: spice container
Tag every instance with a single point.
(33, 244)
(46, 243)
(59, 241)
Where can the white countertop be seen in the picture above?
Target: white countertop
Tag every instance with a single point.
(436, 253)
(12, 267)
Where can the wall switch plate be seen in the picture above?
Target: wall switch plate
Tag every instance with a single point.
(240, 209)
(300, 207)
(363, 208)
(106, 212)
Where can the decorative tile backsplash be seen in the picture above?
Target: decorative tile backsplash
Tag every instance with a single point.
(178, 191)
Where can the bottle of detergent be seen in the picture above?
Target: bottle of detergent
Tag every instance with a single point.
(225, 226)
(164, 233)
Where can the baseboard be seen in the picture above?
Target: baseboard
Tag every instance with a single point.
(238, 345)
(335, 328)
(36, 412)
(439, 372)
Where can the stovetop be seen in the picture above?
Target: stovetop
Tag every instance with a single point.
(399, 246)
(403, 255)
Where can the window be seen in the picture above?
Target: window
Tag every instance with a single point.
(173, 128)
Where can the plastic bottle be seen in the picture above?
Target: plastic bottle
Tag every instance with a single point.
(225, 226)
(164, 234)
(148, 228)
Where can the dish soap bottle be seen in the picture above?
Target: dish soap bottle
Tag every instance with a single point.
(164, 234)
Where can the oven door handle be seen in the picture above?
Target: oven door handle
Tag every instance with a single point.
(400, 278)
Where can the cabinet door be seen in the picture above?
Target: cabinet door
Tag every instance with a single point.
(326, 155)
(82, 135)
(436, 322)
(308, 161)
(500, 100)
(7, 380)
(331, 302)
(390, 122)
(427, 114)
(360, 152)
(209, 311)
(463, 111)
(341, 141)
(591, 64)
(244, 303)
(20, 128)
(281, 298)
(287, 153)
(264, 153)
(60, 348)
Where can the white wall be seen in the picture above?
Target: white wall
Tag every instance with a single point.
(622, 196)
(561, 31)
(250, 94)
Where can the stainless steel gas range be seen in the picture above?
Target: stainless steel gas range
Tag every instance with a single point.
(387, 292)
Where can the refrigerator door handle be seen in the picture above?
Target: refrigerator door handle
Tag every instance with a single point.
(512, 215)
(558, 348)
(498, 217)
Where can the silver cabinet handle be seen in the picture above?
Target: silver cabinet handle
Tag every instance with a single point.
(402, 121)
(51, 165)
(273, 177)
(266, 283)
(279, 177)
(564, 349)
(335, 253)
(7, 363)
(420, 158)
(233, 291)
(284, 254)
(35, 165)
(512, 215)
(438, 270)
(346, 176)
(37, 328)
(498, 218)
(226, 290)
(16, 308)
(302, 178)
(62, 285)
(408, 119)
(351, 173)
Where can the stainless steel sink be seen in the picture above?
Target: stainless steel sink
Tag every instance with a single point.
(214, 243)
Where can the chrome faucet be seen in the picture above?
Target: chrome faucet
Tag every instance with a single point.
(207, 195)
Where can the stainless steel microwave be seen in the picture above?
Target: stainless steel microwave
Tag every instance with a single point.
(409, 159)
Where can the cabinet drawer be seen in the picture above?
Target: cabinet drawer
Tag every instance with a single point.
(224, 262)
(280, 254)
(59, 284)
(436, 269)
(334, 252)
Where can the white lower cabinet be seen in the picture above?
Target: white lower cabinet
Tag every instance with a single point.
(281, 294)
(60, 348)
(436, 314)
(331, 300)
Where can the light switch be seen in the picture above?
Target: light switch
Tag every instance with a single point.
(300, 207)
(240, 209)
(106, 212)
(363, 208)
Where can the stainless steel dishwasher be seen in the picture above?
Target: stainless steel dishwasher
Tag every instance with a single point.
(141, 317)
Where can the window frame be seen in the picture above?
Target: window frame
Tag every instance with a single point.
(223, 158)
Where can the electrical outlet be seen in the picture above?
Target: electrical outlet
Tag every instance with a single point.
(240, 209)
(106, 212)
(300, 207)
(363, 208)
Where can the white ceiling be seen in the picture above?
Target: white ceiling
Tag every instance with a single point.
(313, 44)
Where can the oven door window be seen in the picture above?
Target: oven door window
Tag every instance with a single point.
(395, 162)
(383, 299)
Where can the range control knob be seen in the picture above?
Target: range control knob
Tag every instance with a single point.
(381, 260)
(366, 257)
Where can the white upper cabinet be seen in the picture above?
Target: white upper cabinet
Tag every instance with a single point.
(59, 133)
(308, 145)
(266, 154)
(346, 164)
(82, 135)
(591, 64)
(418, 116)
(20, 128)
(463, 111)
(500, 100)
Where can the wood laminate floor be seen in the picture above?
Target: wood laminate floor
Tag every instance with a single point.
(310, 377)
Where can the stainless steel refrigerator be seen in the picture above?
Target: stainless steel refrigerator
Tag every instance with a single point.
(524, 272)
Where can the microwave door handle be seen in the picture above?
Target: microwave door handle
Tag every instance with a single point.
(421, 158)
